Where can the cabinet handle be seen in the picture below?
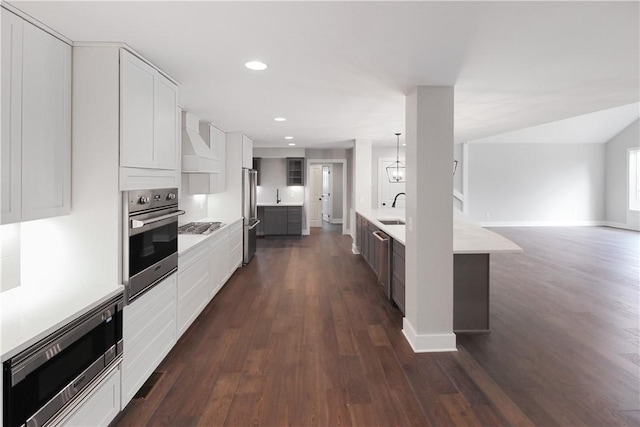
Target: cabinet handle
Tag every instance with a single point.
(381, 236)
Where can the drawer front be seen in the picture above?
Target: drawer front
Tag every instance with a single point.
(101, 406)
(149, 333)
(294, 213)
(398, 266)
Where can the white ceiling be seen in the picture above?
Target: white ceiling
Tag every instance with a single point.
(592, 128)
(340, 70)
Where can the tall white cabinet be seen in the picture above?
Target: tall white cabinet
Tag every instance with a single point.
(36, 122)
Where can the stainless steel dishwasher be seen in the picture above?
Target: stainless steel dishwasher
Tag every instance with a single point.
(384, 261)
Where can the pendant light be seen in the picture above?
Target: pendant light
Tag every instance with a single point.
(396, 170)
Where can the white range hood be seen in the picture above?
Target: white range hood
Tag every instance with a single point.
(197, 156)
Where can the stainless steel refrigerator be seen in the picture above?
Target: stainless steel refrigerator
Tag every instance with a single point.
(249, 212)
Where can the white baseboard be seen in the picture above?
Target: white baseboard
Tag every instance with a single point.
(621, 225)
(336, 221)
(354, 249)
(431, 343)
(540, 223)
(559, 224)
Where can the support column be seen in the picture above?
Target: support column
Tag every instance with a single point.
(428, 325)
(361, 181)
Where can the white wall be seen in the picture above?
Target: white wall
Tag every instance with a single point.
(536, 184)
(9, 256)
(381, 153)
(273, 180)
(195, 206)
(616, 180)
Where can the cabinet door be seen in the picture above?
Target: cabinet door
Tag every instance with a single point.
(165, 120)
(46, 125)
(295, 171)
(275, 220)
(11, 157)
(136, 112)
(219, 261)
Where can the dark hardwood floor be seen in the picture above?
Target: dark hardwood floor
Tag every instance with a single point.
(303, 336)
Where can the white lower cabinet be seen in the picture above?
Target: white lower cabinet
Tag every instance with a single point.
(235, 246)
(149, 333)
(193, 286)
(101, 406)
(219, 260)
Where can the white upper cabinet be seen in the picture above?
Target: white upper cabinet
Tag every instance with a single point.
(148, 118)
(11, 117)
(165, 124)
(36, 108)
(247, 152)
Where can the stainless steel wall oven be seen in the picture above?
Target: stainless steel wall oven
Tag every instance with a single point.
(150, 244)
(44, 379)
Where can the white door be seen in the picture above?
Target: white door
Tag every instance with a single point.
(387, 191)
(326, 192)
(315, 213)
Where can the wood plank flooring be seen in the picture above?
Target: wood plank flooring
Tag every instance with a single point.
(302, 336)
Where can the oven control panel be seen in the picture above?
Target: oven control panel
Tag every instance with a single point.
(142, 200)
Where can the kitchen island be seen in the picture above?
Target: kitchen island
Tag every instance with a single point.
(472, 248)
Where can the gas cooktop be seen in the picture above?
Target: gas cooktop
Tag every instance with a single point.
(199, 227)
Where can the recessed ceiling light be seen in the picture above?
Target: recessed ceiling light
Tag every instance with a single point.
(288, 137)
(404, 145)
(280, 119)
(256, 65)
(292, 144)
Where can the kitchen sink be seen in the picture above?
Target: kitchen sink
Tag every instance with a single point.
(391, 221)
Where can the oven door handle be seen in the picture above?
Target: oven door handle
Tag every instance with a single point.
(139, 223)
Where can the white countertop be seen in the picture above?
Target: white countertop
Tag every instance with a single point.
(468, 237)
(30, 314)
(281, 204)
(186, 242)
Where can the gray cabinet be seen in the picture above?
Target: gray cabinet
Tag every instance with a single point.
(295, 171)
(282, 220)
(294, 220)
(397, 274)
(275, 220)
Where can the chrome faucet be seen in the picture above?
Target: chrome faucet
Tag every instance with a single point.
(278, 200)
(393, 205)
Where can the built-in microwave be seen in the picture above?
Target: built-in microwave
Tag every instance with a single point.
(43, 380)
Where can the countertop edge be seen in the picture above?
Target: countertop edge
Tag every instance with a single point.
(24, 343)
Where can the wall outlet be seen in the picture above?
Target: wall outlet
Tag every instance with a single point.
(291, 194)
(410, 224)
(488, 215)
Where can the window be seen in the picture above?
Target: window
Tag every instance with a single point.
(634, 180)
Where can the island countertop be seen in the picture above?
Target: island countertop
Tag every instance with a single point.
(281, 204)
(468, 237)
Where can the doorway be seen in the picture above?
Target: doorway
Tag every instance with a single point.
(327, 194)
